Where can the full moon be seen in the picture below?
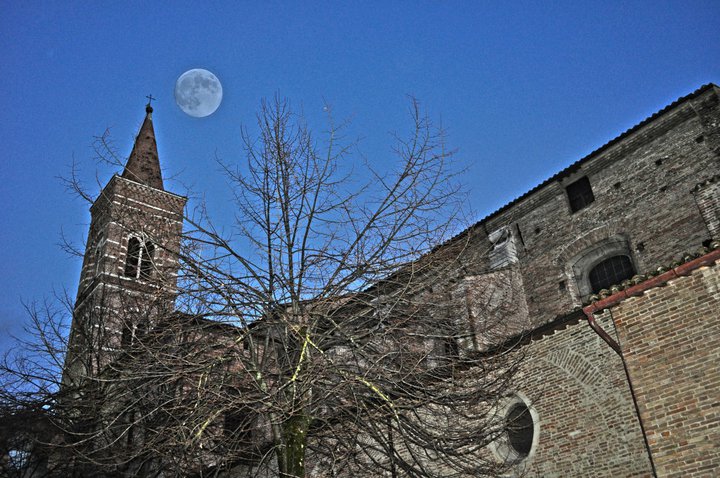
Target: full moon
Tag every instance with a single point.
(198, 92)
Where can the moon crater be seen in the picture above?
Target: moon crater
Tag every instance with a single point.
(198, 92)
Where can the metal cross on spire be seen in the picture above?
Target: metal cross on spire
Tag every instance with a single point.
(150, 99)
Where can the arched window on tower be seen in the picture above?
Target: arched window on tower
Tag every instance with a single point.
(139, 260)
(610, 271)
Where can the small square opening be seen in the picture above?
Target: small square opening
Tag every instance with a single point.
(580, 194)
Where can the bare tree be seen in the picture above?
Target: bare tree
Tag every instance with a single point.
(30, 380)
(350, 335)
(326, 336)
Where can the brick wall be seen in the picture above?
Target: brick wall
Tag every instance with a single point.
(125, 209)
(110, 306)
(656, 196)
(587, 421)
(671, 340)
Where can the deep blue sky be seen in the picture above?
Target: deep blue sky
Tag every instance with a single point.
(524, 89)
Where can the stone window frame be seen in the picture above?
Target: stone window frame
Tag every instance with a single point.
(501, 447)
(131, 326)
(583, 263)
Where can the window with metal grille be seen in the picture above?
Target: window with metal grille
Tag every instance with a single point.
(610, 271)
(580, 194)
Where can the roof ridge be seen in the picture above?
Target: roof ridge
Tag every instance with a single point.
(702, 89)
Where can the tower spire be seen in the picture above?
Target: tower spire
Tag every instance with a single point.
(143, 165)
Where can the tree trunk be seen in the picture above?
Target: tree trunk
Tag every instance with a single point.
(291, 456)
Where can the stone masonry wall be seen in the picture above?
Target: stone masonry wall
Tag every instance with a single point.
(671, 340)
(707, 196)
(655, 196)
(643, 188)
(587, 420)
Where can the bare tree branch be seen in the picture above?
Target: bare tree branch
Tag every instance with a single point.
(327, 334)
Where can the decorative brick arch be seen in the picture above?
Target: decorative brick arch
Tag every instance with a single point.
(580, 369)
(593, 383)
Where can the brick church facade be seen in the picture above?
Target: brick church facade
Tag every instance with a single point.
(610, 268)
(626, 238)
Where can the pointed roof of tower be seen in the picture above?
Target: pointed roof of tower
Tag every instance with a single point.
(143, 165)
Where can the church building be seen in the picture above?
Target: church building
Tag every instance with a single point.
(129, 272)
(618, 302)
(611, 269)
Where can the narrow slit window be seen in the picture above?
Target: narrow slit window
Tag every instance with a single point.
(98, 256)
(98, 260)
(128, 334)
(580, 194)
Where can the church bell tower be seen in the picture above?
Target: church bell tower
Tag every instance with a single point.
(129, 274)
